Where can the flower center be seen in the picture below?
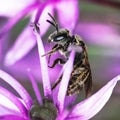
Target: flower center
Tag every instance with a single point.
(47, 111)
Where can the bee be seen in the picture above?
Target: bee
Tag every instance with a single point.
(81, 76)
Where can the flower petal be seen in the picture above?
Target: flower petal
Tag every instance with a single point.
(22, 46)
(43, 17)
(12, 7)
(12, 21)
(26, 40)
(44, 66)
(12, 117)
(35, 86)
(0, 50)
(9, 100)
(64, 82)
(5, 110)
(91, 106)
(19, 88)
(68, 13)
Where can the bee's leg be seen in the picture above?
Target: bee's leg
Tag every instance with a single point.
(54, 49)
(56, 82)
(49, 58)
(57, 61)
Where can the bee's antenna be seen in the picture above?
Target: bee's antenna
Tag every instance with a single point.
(54, 23)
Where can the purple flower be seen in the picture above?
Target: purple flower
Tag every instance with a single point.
(50, 106)
(38, 12)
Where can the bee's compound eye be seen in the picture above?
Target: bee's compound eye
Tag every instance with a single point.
(59, 38)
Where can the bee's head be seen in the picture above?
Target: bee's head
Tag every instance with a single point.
(60, 36)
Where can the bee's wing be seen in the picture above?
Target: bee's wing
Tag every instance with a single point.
(79, 80)
(88, 85)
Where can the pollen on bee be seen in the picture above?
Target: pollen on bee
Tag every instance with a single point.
(76, 48)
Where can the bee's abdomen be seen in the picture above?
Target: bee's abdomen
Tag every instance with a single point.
(78, 78)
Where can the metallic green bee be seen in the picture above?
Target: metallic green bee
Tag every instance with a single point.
(81, 74)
